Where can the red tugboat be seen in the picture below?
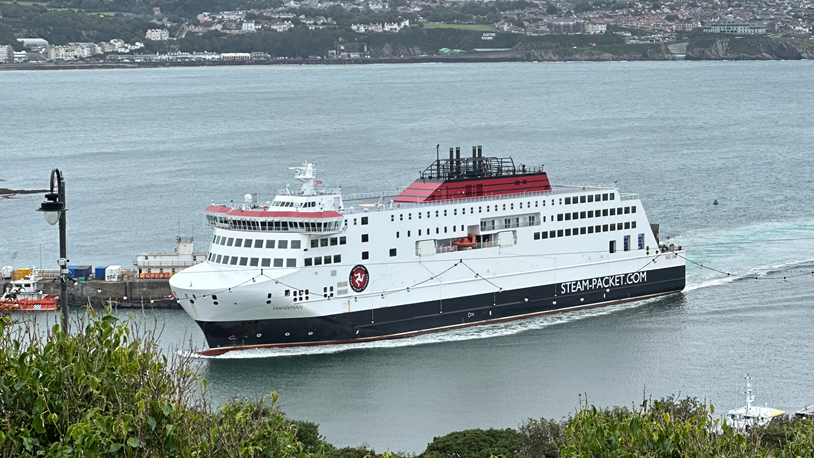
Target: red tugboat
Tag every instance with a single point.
(24, 294)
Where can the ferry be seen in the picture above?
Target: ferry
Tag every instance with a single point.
(472, 241)
(24, 294)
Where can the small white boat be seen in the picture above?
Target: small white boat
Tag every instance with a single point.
(745, 418)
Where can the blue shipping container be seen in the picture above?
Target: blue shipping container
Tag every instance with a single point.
(84, 271)
(100, 272)
(72, 271)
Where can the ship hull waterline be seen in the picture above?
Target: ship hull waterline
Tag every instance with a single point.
(416, 319)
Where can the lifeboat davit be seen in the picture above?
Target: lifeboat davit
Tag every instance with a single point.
(466, 242)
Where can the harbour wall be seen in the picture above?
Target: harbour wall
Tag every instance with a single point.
(99, 293)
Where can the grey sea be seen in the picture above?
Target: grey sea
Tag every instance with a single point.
(145, 151)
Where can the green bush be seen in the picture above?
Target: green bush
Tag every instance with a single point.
(476, 443)
(108, 391)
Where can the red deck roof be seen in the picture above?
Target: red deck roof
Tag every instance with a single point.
(431, 190)
(271, 214)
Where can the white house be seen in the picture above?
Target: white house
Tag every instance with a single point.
(157, 34)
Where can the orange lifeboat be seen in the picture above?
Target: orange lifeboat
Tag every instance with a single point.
(466, 242)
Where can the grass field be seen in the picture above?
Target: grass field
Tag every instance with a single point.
(475, 27)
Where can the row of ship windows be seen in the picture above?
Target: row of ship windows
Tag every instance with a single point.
(584, 230)
(252, 262)
(320, 260)
(328, 241)
(251, 225)
(496, 207)
(586, 198)
(591, 213)
(463, 211)
(257, 243)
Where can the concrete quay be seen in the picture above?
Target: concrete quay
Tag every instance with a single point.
(140, 292)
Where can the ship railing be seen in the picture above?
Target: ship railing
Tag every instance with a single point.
(389, 204)
(628, 196)
(147, 265)
(319, 192)
(448, 248)
(500, 224)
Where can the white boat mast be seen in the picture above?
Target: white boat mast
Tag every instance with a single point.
(306, 174)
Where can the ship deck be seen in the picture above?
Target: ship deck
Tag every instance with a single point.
(366, 202)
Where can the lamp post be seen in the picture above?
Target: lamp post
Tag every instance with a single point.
(54, 209)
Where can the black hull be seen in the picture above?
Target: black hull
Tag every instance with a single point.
(426, 317)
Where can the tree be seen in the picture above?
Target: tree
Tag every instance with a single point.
(476, 443)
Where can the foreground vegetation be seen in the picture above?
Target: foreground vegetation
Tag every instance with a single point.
(107, 390)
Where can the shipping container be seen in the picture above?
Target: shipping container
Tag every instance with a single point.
(99, 272)
(113, 273)
(72, 271)
(83, 271)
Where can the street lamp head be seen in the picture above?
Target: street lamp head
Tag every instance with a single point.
(52, 209)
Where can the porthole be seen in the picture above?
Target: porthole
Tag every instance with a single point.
(268, 302)
(216, 302)
(287, 334)
(259, 335)
(310, 333)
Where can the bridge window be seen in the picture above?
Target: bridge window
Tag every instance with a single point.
(365, 238)
(590, 198)
(337, 259)
(326, 259)
(278, 262)
(567, 232)
(552, 234)
(604, 212)
(342, 240)
(317, 261)
(295, 244)
(392, 252)
(364, 220)
(225, 261)
(233, 261)
(604, 197)
(567, 201)
(633, 224)
(217, 260)
(627, 225)
(612, 196)
(590, 213)
(247, 243)
(365, 255)
(582, 215)
(536, 236)
(244, 261)
(258, 243)
(613, 226)
(582, 199)
(323, 242)
(229, 241)
(308, 262)
(265, 262)
(238, 242)
(282, 244)
(633, 209)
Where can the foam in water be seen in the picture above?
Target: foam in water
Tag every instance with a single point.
(749, 251)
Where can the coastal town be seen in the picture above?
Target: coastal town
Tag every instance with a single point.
(355, 28)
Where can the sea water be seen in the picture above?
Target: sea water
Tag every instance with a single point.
(145, 151)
